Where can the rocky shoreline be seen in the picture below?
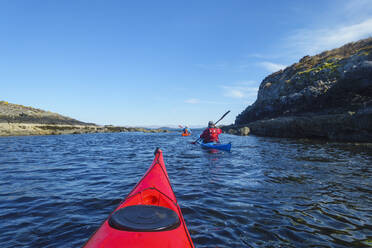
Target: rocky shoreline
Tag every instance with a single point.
(326, 96)
(18, 120)
(25, 129)
(347, 127)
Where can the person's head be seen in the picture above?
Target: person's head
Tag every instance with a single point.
(210, 124)
(186, 127)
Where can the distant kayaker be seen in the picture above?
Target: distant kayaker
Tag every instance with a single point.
(211, 133)
(187, 130)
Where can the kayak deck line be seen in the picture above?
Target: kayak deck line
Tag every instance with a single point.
(149, 216)
(156, 161)
(148, 201)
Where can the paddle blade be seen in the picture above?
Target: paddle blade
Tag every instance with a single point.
(222, 117)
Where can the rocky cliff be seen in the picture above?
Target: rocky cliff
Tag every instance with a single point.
(328, 95)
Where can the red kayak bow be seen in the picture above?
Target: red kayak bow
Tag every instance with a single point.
(148, 217)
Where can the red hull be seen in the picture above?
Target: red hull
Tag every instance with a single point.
(153, 189)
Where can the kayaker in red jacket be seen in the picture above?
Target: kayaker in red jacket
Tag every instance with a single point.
(211, 133)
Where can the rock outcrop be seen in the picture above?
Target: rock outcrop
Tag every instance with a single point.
(15, 113)
(328, 95)
(21, 120)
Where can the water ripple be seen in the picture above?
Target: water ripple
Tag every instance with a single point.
(55, 191)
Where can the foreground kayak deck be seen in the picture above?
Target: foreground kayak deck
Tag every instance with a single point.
(218, 146)
(148, 217)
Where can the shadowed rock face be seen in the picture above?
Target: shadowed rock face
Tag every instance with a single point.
(334, 84)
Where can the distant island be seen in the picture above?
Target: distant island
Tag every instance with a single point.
(17, 119)
(326, 96)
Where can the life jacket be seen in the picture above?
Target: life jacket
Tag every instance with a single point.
(211, 135)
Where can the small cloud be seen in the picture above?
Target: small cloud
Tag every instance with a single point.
(357, 9)
(240, 91)
(268, 56)
(246, 83)
(217, 66)
(192, 101)
(214, 102)
(235, 93)
(244, 66)
(311, 42)
(256, 55)
(197, 101)
(272, 67)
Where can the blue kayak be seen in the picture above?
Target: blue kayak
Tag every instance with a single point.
(218, 146)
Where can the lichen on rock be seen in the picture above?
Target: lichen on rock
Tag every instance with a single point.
(338, 81)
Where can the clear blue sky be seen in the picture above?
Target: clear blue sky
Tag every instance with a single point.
(142, 63)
